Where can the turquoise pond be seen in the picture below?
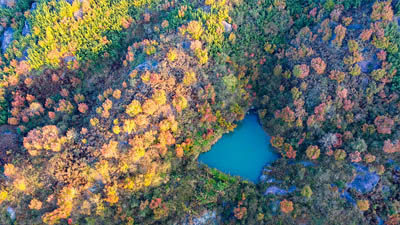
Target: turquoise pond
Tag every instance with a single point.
(243, 152)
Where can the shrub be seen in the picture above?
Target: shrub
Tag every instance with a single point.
(286, 206)
(20, 184)
(134, 108)
(142, 120)
(366, 34)
(112, 195)
(306, 191)
(195, 29)
(353, 46)
(340, 154)
(363, 205)
(45, 138)
(179, 151)
(129, 126)
(117, 94)
(382, 11)
(180, 103)
(160, 97)
(355, 156)
(65, 203)
(239, 212)
(82, 107)
(277, 142)
(337, 75)
(230, 82)
(287, 115)
(301, 71)
(355, 70)
(312, 152)
(171, 55)
(384, 124)
(378, 74)
(369, 158)
(318, 65)
(296, 94)
(189, 78)
(65, 106)
(389, 147)
(35, 204)
(340, 32)
(110, 150)
(150, 107)
(3, 195)
(9, 170)
(13, 121)
(202, 55)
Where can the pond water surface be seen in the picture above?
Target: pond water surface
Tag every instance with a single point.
(243, 152)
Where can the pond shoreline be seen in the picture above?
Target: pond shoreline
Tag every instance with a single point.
(230, 153)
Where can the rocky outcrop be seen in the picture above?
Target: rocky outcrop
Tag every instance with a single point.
(364, 181)
(7, 38)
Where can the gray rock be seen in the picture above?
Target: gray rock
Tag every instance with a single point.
(307, 163)
(356, 26)
(72, 1)
(275, 191)
(69, 58)
(25, 55)
(279, 191)
(368, 66)
(390, 161)
(227, 26)
(34, 5)
(272, 180)
(385, 189)
(206, 8)
(396, 19)
(11, 212)
(186, 44)
(332, 38)
(348, 197)
(147, 65)
(263, 178)
(266, 170)
(207, 217)
(364, 83)
(275, 206)
(96, 187)
(7, 38)
(328, 140)
(292, 188)
(26, 30)
(380, 220)
(364, 181)
(303, 163)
